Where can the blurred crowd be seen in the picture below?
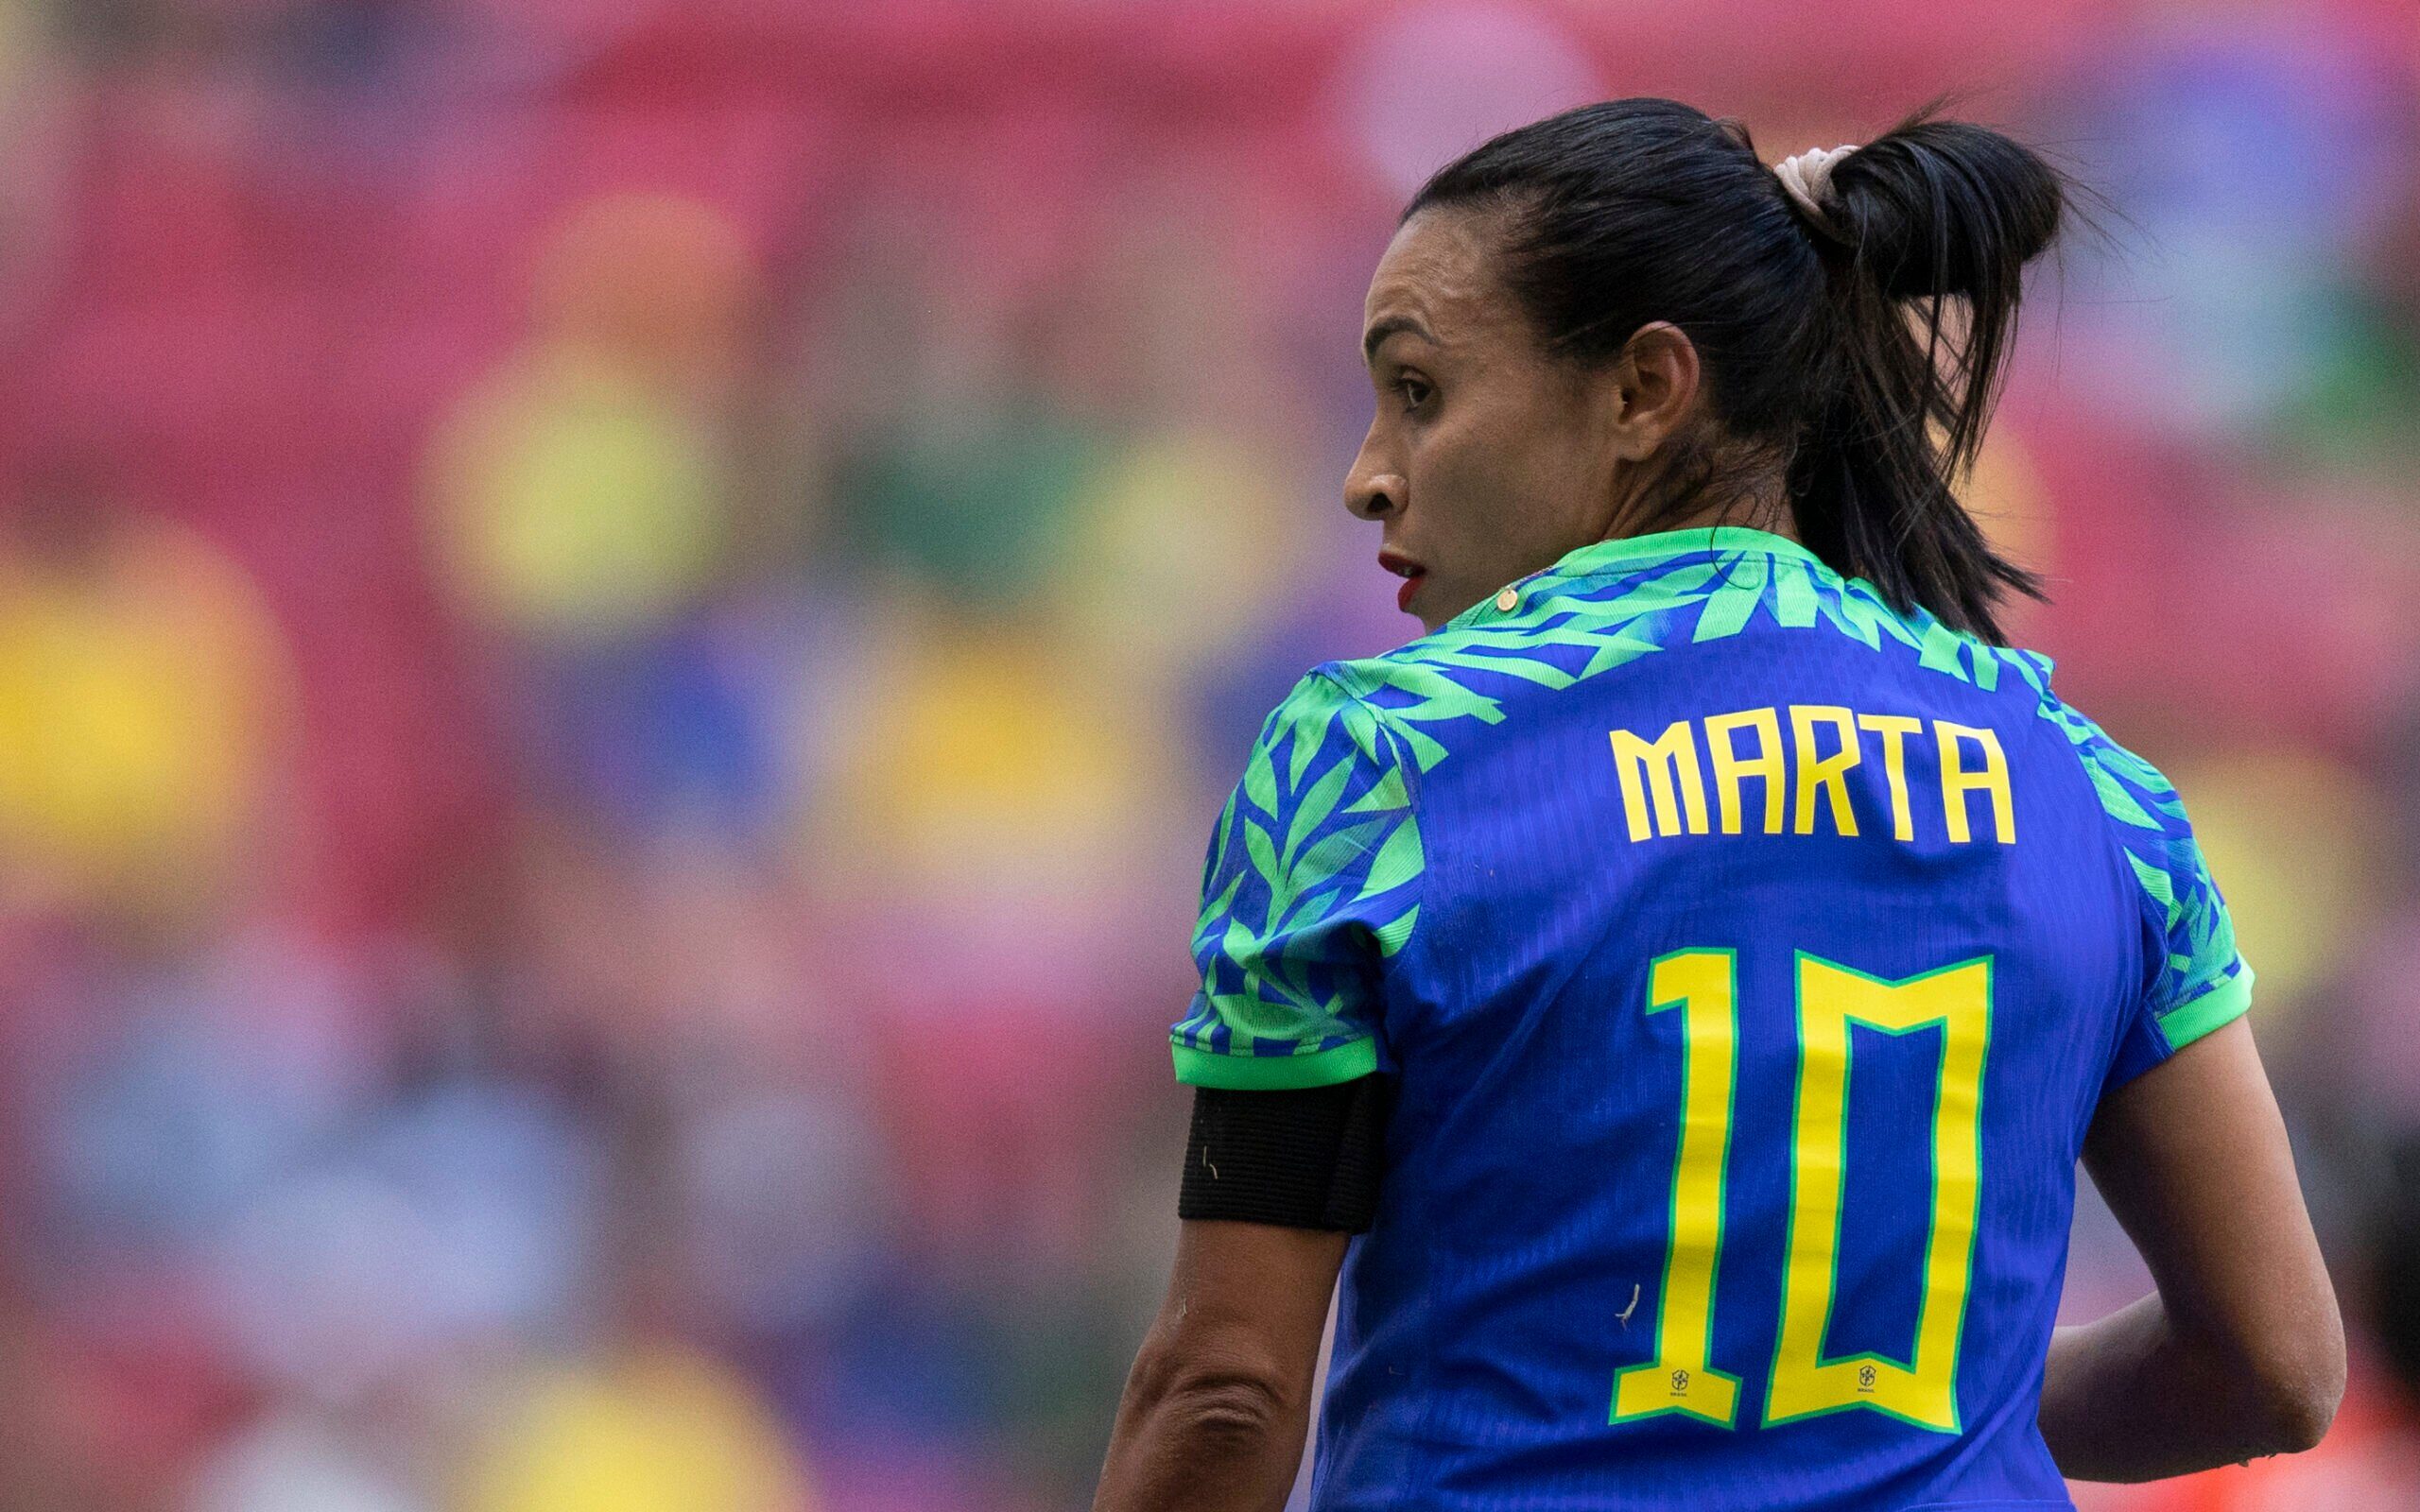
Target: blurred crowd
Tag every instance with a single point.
(621, 624)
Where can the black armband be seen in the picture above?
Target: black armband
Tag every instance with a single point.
(1305, 1159)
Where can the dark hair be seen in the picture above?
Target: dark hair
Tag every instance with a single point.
(1862, 351)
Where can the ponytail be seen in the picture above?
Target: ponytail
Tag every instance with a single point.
(1854, 326)
(1924, 234)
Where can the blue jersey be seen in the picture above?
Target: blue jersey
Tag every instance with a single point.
(1749, 958)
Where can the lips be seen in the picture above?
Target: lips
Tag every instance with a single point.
(1409, 571)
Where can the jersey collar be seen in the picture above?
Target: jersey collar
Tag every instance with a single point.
(1622, 554)
(1628, 552)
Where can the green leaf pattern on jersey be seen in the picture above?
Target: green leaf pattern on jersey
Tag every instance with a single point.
(1311, 881)
(1314, 868)
(2149, 818)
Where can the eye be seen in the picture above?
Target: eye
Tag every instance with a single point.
(1414, 390)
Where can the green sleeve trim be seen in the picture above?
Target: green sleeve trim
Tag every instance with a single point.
(1324, 1068)
(2221, 1006)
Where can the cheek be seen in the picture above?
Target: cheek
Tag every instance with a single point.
(1460, 487)
(1466, 467)
(1502, 485)
(1565, 484)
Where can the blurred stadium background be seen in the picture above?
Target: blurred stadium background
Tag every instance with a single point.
(621, 622)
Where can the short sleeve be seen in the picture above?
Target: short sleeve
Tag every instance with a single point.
(2194, 978)
(1311, 886)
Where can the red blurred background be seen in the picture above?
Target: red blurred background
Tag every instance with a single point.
(621, 622)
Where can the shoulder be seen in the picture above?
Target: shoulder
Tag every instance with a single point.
(1322, 827)
(1319, 698)
(2198, 977)
(1327, 758)
(2140, 803)
(2141, 806)
(1327, 710)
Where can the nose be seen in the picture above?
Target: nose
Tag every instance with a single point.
(1373, 490)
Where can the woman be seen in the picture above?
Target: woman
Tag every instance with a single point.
(1697, 964)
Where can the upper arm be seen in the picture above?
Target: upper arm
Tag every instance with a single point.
(2193, 1159)
(2186, 1144)
(1310, 885)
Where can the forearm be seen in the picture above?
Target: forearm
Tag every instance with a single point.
(1207, 1446)
(1218, 1405)
(2131, 1398)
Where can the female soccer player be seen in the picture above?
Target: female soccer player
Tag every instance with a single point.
(1696, 965)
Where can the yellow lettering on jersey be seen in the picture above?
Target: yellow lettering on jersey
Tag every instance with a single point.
(1895, 730)
(1657, 771)
(1923, 1389)
(1731, 768)
(1957, 782)
(1701, 984)
(1664, 788)
(1824, 774)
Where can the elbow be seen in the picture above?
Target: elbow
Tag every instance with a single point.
(1235, 1416)
(1224, 1407)
(2297, 1403)
(2295, 1389)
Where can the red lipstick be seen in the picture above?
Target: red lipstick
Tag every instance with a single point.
(1409, 571)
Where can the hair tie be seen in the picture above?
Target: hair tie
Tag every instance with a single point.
(1807, 178)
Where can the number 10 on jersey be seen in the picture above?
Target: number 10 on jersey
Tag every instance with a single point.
(1703, 986)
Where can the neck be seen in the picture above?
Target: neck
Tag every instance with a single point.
(1697, 502)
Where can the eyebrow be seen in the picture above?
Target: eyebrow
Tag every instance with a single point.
(1376, 336)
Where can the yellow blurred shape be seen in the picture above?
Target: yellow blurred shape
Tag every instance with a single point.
(2287, 835)
(657, 1431)
(2006, 497)
(989, 760)
(1180, 547)
(576, 500)
(140, 694)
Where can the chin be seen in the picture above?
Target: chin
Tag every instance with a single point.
(1433, 604)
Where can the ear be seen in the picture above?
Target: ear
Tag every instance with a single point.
(1657, 389)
